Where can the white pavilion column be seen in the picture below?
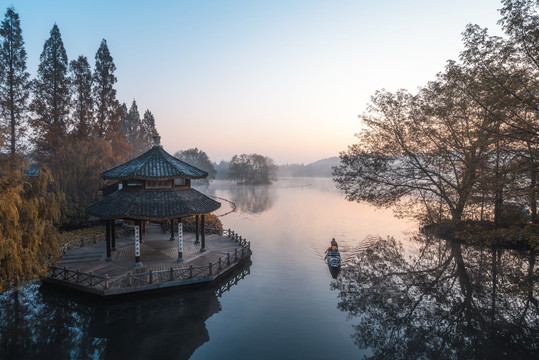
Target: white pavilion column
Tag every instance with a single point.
(180, 240)
(137, 244)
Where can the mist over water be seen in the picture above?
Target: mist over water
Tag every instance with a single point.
(398, 294)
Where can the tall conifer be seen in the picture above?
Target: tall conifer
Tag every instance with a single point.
(107, 106)
(147, 131)
(83, 113)
(14, 83)
(51, 103)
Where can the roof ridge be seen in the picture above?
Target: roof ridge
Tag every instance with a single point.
(144, 162)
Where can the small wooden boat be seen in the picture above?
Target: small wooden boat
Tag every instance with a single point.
(333, 256)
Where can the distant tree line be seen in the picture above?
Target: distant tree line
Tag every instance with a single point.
(244, 169)
(465, 146)
(320, 168)
(68, 123)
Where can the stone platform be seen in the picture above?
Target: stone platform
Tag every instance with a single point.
(87, 269)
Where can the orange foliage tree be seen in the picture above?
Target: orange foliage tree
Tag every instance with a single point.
(29, 213)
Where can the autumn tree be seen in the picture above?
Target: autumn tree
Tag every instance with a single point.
(198, 159)
(14, 79)
(51, 96)
(512, 65)
(77, 166)
(425, 148)
(83, 102)
(29, 213)
(493, 93)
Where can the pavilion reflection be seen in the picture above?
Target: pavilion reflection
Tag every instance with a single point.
(161, 326)
(447, 300)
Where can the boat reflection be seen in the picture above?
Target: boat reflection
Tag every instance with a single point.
(160, 326)
(446, 300)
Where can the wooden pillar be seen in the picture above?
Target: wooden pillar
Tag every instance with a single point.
(203, 233)
(180, 240)
(113, 235)
(137, 243)
(107, 237)
(197, 228)
(171, 221)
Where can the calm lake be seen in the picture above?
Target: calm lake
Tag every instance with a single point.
(399, 294)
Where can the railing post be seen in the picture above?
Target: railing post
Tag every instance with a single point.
(54, 272)
(65, 273)
(128, 279)
(210, 269)
(190, 271)
(151, 276)
(106, 281)
(171, 274)
(235, 254)
(219, 263)
(228, 258)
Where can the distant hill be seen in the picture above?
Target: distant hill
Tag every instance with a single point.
(320, 168)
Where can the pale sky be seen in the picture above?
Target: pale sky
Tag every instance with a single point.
(285, 79)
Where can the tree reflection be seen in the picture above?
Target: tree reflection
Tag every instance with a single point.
(252, 199)
(48, 324)
(447, 300)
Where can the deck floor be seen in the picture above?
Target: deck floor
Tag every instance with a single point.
(157, 253)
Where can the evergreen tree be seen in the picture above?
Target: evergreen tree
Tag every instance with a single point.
(81, 76)
(147, 131)
(138, 132)
(134, 123)
(123, 120)
(107, 107)
(51, 103)
(14, 83)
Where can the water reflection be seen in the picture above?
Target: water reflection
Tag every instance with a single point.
(251, 199)
(446, 301)
(64, 326)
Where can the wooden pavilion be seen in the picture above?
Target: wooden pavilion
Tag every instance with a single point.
(153, 187)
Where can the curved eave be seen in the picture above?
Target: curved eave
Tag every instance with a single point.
(135, 177)
(152, 204)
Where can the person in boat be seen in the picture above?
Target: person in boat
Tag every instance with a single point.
(333, 248)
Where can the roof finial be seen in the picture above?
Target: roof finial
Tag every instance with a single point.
(156, 140)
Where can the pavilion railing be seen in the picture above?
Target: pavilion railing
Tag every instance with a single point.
(89, 239)
(151, 277)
